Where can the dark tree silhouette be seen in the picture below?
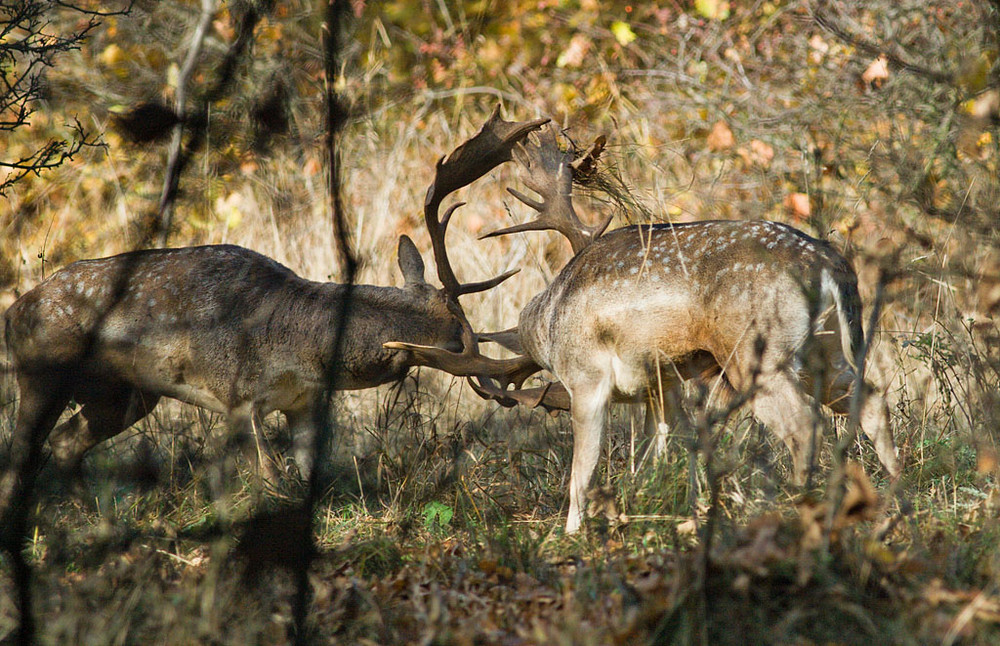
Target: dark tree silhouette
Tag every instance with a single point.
(30, 43)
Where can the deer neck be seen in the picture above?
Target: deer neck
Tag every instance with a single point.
(374, 315)
(537, 319)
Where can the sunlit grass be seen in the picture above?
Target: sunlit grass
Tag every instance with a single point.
(442, 514)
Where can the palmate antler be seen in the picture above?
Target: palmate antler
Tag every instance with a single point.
(549, 172)
(553, 396)
(550, 175)
(487, 149)
(483, 152)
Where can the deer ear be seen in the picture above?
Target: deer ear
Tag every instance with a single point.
(410, 262)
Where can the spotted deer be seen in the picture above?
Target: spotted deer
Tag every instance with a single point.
(638, 309)
(232, 331)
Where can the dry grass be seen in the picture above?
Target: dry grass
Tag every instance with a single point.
(440, 523)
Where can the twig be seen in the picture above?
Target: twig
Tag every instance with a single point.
(835, 488)
(174, 163)
(177, 557)
(336, 117)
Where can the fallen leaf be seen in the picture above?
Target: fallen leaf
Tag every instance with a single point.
(622, 32)
(987, 460)
(812, 518)
(984, 106)
(721, 138)
(877, 72)
(601, 502)
(111, 55)
(860, 501)
(798, 205)
(687, 528)
(760, 154)
(224, 29)
(311, 167)
(818, 44)
(758, 546)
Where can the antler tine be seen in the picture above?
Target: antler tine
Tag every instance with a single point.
(485, 150)
(553, 396)
(447, 276)
(469, 362)
(550, 175)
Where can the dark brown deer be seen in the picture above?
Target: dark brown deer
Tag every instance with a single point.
(641, 308)
(230, 330)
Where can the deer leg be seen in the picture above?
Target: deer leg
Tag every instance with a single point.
(268, 464)
(41, 403)
(655, 428)
(589, 408)
(781, 405)
(99, 419)
(874, 419)
(222, 447)
(303, 432)
(247, 436)
(875, 424)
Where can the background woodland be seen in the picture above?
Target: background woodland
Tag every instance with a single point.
(873, 125)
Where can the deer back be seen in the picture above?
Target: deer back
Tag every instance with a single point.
(220, 325)
(645, 296)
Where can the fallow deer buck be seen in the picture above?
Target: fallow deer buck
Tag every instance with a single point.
(232, 331)
(642, 307)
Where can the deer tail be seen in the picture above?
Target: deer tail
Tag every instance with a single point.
(844, 291)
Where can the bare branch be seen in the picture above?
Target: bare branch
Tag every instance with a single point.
(823, 18)
(171, 178)
(28, 46)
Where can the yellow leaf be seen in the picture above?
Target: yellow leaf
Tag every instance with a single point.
(230, 209)
(984, 106)
(112, 55)
(622, 32)
(712, 9)
(975, 74)
(173, 75)
(879, 553)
